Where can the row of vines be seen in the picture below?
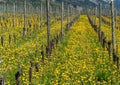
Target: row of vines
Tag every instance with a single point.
(51, 43)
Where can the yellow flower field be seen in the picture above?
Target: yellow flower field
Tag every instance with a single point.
(78, 59)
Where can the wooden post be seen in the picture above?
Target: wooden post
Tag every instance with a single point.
(115, 18)
(17, 77)
(70, 7)
(14, 35)
(115, 57)
(48, 25)
(24, 29)
(62, 15)
(42, 53)
(30, 72)
(104, 42)
(68, 17)
(113, 27)
(100, 21)
(59, 12)
(18, 73)
(2, 40)
(109, 12)
(37, 66)
(2, 81)
(116, 49)
(55, 13)
(40, 14)
(10, 38)
(71, 12)
(36, 63)
(14, 13)
(95, 14)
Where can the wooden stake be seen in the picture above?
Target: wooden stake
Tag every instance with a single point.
(109, 48)
(14, 35)
(115, 17)
(40, 14)
(55, 13)
(62, 15)
(70, 7)
(110, 18)
(10, 38)
(42, 53)
(2, 41)
(30, 72)
(68, 17)
(113, 27)
(18, 73)
(48, 25)
(95, 15)
(100, 21)
(24, 29)
(115, 57)
(14, 13)
(2, 81)
(17, 77)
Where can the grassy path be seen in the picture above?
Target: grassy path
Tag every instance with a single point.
(80, 60)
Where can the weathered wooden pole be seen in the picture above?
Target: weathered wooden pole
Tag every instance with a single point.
(55, 13)
(95, 15)
(2, 40)
(113, 26)
(48, 26)
(115, 17)
(62, 15)
(17, 78)
(14, 35)
(43, 57)
(30, 72)
(70, 8)
(115, 57)
(100, 21)
(40, 14)
(24, 29)
(109, 18)
(2, 81)
(10, 38)
(14, 4)
(68, 19)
